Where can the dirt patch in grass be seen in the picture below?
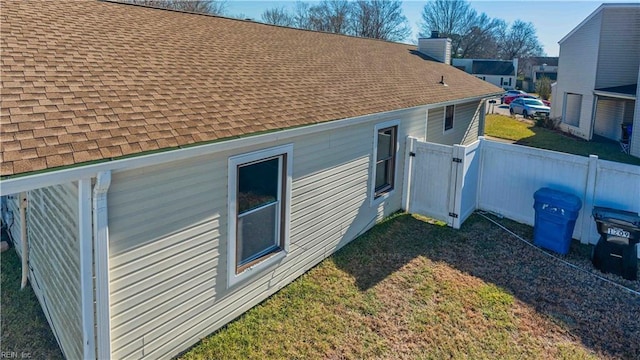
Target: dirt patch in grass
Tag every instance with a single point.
(410, 289)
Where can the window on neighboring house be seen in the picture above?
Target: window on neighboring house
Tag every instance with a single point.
(448, 117)
(385, 166)
(259, 203)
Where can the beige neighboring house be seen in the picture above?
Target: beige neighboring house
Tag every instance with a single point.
(172, 170)
(598, 74)
(536, 67)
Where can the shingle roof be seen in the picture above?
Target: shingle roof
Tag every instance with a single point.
(88, 81)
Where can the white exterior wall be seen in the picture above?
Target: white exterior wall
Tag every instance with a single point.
(609, 115)
(619, 51)
(577, 68)
(467, 124)
(54, 259)
(168, 224)
(439, 49)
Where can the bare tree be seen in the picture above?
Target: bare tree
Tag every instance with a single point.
(518, 41)
(331, 16)
(471, 35)
(380, 19)
(277, 16)
(214, 7)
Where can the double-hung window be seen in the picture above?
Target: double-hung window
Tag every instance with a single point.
(385, 158)
(259, 207)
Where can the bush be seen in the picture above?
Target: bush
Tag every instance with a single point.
(543, 87)
(547, 122)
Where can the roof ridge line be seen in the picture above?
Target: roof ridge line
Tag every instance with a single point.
(121, 2)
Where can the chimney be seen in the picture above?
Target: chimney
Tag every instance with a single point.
(436, 47)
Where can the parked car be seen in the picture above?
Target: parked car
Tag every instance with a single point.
(529, 107)
(509, 99)
(511, 93)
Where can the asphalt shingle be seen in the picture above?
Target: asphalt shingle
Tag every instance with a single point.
(94, 80)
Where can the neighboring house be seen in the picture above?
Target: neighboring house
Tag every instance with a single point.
(535, 68)
(598, 71)
(502, 73)
(177, 169)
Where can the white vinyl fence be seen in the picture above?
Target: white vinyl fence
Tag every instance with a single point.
(450, 182)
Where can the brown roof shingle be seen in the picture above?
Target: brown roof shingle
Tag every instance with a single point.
(96, 80)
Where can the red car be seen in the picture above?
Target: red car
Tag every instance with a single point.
(509, 99)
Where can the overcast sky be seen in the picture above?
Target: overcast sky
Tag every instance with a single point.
(552, 19)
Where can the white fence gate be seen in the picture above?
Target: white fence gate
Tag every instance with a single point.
(449, 182)
(442, 180)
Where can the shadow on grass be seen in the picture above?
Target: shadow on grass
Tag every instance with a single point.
(25, 331)
(602, 316)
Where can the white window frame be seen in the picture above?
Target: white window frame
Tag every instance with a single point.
(444, 119)
(377, 200)
(233, 277)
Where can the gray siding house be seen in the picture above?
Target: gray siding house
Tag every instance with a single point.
(598, 71)
(159, 183)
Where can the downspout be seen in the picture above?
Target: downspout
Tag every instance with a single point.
(23, 236)
(85, 236)
(101, 261)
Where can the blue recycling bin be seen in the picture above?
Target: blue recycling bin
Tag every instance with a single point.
(556, 214)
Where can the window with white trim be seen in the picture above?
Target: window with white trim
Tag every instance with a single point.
(449, 112)
(259, 208)
(386, 146)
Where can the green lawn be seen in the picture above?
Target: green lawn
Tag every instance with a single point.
(411, 288)
(525, 133)
(25, 331)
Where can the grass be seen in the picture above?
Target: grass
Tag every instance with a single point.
(413, 288)
(525, 133)
(25, 331)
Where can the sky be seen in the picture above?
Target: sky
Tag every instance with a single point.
(553, 19)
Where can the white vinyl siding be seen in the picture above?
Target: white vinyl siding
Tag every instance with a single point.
(54, 259)
(466, 128)
(619, 51)
(577, 67)
(609, 117)
(168, 234)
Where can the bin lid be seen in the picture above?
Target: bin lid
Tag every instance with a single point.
(558, 198)
(609, 214)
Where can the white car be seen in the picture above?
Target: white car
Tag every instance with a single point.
(529, 107)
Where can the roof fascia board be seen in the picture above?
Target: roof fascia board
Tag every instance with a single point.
(593, 14)
(49, 178)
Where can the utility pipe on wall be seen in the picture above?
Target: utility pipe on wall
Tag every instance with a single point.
(23, 238)
(101, 263)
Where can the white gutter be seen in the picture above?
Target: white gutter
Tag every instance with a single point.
(101, 261)
(17, 184)
(85, 236)
(23, 238)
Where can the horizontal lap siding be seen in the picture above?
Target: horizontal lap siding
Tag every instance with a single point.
(577, 68)
(619, 54)
(168, 226)
(54, 259)
(466, 122)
